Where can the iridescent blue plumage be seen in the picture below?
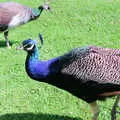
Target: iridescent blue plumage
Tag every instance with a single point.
(38, 69)
(35, 68)
(77, 71)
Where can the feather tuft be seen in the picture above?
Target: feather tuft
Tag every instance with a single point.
(41, 39)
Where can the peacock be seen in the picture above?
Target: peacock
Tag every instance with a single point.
(90, 73)
(13, 14)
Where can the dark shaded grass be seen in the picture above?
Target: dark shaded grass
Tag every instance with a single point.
(31, 116)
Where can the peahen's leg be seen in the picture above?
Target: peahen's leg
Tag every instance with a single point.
(114, 111)
(6, 38)
(95, 109)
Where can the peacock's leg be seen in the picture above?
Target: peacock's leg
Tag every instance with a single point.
(95, 109)
(114, 111)
(6, 38)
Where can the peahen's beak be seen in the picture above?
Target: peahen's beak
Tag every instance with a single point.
(20, 47)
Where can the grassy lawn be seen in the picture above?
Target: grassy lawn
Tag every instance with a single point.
(71, 23)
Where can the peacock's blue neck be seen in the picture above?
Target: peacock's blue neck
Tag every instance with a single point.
(38, 69)
(33, 55)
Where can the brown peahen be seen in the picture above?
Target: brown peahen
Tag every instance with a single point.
(13, 14)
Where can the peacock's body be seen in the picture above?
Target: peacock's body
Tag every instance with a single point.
(13, 14)
(90, 73)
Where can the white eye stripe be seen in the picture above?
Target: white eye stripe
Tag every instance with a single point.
(25, 45)
(30, 48)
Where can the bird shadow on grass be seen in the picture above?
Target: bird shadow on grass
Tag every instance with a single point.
(3, 43)
(32, 116)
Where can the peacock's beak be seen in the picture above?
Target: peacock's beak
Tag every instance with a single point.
(20, 47)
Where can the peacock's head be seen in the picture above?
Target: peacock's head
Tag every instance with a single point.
(29, 44)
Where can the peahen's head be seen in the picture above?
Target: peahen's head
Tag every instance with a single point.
(29, 45)
(44, 7)
(37, 11)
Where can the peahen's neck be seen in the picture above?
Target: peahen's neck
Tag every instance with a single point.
(37, 69)
(36, 12)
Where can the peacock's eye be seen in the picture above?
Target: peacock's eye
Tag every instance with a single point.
(27, 45)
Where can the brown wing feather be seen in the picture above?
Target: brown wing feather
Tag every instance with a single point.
(107, 51)
(8, 10)
(99, 64)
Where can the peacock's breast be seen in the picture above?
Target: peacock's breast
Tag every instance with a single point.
(37, 70)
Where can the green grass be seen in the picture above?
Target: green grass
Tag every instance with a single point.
(71, 23)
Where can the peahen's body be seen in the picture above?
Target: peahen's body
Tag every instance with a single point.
(90, 73)
(13, 14)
